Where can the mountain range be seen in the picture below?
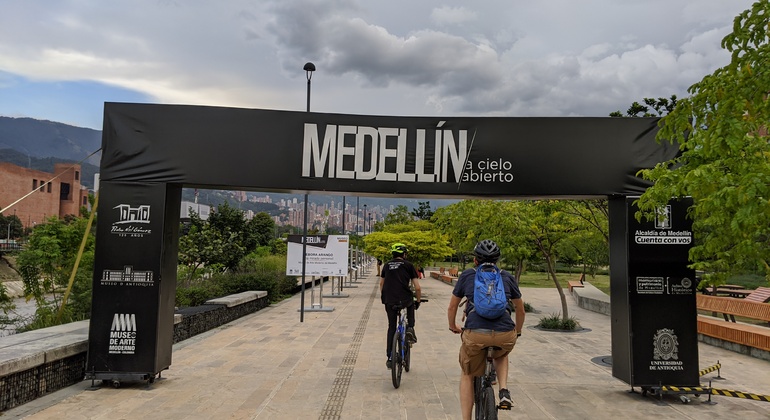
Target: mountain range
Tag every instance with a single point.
(38, 144)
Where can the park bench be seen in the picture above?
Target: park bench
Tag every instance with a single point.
(576, 283)
(727, 329)
(453, 272)
(760, 295)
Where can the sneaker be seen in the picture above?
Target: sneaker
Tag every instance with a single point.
(389, 364)
(505, 400)
(410, 335)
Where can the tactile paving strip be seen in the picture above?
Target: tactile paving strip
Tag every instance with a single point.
(336, 399)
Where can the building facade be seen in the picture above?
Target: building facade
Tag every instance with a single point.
(50, 194)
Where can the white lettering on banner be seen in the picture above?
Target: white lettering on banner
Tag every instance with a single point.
(123, 334)
(324, 158)
(131, 220)
(670, 237)
(646, 240)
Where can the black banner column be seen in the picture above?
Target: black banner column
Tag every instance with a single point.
(653, 310)
(132, 315)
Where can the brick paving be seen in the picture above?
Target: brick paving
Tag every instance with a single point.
(268, 365)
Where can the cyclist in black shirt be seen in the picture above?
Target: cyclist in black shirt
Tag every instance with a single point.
(397, 279)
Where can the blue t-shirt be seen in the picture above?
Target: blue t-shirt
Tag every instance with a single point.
(464, 288)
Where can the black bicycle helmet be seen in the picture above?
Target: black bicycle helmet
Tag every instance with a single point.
(487, 251)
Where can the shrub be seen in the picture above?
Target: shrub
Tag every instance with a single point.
(254, 272)
(556, 322)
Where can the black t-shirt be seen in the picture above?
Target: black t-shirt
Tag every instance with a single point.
(397, 273)
(464, 288)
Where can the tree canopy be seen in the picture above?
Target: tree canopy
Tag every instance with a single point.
(724, 163)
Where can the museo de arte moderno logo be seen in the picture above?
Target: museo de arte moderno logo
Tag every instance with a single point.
(123, 334)
(127, 277)
(133, 222)
(663, 234)
(398, 154)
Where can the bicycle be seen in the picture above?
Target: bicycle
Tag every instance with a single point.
(483, 392)
(401, 350)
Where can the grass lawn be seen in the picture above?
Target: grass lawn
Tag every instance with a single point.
(541, 279)
(538, 279)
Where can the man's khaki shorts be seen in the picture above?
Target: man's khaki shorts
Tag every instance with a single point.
(472, 353)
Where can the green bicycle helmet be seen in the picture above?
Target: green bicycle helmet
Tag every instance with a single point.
(398, 248)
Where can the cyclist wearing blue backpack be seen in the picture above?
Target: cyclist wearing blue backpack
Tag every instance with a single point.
(489, 292)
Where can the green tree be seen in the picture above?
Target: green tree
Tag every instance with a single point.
(46, 264)
(547, 225)
(235, 231)
(469, 221)
(590, 242)
(424, 245)
(723, 136)
(204, 246)
(259, 231)
(661, 106)
(423, 211)
(399, 215)
(10, 224)
(463, 222)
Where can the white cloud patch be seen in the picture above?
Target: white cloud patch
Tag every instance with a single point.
(446, 15)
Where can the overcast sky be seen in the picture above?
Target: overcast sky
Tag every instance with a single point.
(61, 60)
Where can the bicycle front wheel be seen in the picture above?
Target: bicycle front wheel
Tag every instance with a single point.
(396, 366)
(489, 405)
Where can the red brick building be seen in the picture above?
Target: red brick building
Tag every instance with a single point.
(56, 194)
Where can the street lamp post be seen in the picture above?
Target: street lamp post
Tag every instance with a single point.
(364, 219)
(309, 69)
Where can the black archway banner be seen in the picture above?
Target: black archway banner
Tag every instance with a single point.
(149, 152)
(254, 149)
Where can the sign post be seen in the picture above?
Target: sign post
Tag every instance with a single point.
(325, 255)
(654, 317)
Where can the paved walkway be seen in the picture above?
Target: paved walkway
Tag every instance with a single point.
(270, 366)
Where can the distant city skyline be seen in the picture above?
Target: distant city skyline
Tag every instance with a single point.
(292, 209)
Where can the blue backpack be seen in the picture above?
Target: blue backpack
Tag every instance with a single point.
(489, 299)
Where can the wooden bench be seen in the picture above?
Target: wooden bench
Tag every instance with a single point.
(736, 293)
(453, 272)
(755, 336)
(760, 295)
(576, 283)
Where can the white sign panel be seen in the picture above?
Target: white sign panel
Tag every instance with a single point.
(326, 255)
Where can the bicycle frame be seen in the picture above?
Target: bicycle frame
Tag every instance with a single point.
(400, 351)
(483, 392)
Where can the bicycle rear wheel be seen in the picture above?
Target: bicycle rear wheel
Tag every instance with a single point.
(396, 366)
(477, 398)
(407, 357)
(489, 405)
